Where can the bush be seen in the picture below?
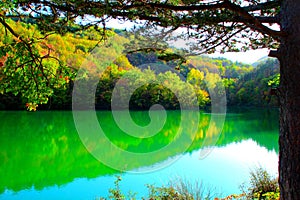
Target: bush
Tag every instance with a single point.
(262, 186)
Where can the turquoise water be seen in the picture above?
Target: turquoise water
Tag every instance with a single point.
(42, 156)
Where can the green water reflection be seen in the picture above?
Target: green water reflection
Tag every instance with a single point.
(43, 149)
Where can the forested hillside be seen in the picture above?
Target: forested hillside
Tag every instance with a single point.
(258, 87)
(245, 84)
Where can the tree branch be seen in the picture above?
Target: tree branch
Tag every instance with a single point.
(271, 20)
(3, 22)
(252, 21)
(274, 54)
(261, 6)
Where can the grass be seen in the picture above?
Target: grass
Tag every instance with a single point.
(180, 189)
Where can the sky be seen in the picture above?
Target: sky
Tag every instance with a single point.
(248, 57)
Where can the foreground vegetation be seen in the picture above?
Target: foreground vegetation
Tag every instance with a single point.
(261, 187)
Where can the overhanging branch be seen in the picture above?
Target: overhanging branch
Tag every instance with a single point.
(261, 6)
(252, 21)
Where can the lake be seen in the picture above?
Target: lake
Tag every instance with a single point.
(42, 156)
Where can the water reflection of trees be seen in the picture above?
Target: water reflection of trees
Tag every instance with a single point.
(43, 149)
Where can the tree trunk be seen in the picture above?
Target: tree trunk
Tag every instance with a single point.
(289, 138)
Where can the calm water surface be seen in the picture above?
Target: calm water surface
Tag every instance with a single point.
(42, 156)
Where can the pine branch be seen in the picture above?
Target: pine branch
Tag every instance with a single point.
(261, 6)
(252, 21)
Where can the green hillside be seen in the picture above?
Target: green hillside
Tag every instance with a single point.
(167, 78)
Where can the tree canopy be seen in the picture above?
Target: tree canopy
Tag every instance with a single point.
(209, 22)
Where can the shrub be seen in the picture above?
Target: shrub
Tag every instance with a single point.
(262, 186)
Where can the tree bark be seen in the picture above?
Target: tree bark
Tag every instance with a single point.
(289, 138)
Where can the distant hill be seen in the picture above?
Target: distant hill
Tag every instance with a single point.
(261, 60)
(252, 89)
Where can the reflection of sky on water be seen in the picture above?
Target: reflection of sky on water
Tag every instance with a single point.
(224, 170)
